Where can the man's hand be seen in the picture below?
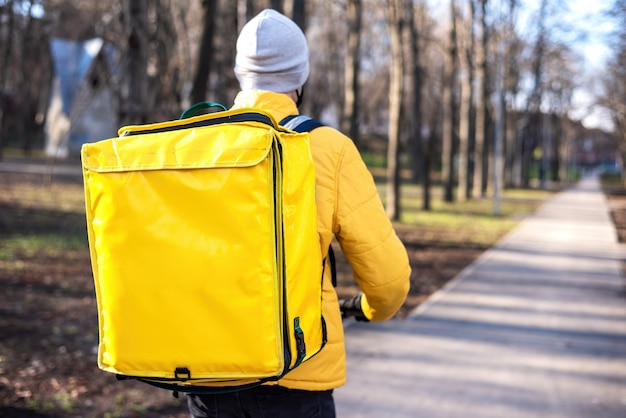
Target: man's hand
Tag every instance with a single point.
(352, 307)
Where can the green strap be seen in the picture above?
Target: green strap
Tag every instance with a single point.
(193, 109)
(300, 344)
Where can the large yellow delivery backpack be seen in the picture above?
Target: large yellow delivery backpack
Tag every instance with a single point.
(205, 253)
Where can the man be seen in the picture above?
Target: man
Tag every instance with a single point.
(272, 66)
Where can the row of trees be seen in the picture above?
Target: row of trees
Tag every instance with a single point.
(456, 90)
(614, 95)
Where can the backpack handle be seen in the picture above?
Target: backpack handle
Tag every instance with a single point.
(193, 109)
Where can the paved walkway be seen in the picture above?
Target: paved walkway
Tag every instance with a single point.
(536, 327)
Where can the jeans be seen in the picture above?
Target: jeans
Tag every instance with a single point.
(264, 402)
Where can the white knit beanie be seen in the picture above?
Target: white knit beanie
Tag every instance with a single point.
(272, 54)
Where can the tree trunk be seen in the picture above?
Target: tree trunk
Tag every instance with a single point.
(509, 146)
(429, 157)
(205, 53)
(135, 91)
(416, 146)
(511, 83)
(298, 13)
(534, 101)
(5, 53)
(464, 121)
(395, 12)
(481, 104)
(564, 156)
(500, 109)
(245, 12)
(471, 140)
(528, 144)
(277, 5)
(349, 123)
(449, 106)
(28, 49)
(557, 139)
(465, 113)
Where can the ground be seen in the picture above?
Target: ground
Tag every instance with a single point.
(617, 204)
(48, 320)
(616, 199)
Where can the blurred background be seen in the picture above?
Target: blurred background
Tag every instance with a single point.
(476, 94)
(468, 113)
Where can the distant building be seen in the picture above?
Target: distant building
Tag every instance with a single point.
(82, 106)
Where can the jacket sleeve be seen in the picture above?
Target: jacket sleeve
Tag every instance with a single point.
(378, 258)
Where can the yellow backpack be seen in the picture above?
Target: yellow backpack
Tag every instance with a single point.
(204, 249)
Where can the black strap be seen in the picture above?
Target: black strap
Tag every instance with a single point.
(300, 123)
(237, 117)
(201, 390)
(333, 266)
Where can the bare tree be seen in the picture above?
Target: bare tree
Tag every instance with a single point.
(298, 13)
(23, 77)
(396, 10)
(500, 110)
(205, 52)
(7, 15)
(327, 48)
(503, 37)
(349, 119)
(512, 52)
(560, 83)
(448, 151)
(614, 96)
(414, 75)
(245, 12)
(466, 111)
(482, 98)
(133, 108)
(425, 118)
(277, 5)
(532, 115)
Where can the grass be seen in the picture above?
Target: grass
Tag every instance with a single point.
(612, 181)
(60, 208)
(19, 153)
(471, 221)
(40, 219)
(54, 242)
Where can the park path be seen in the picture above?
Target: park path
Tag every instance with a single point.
(536, 327)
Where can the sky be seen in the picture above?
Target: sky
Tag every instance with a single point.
(596, 51)
(584, 25)
(586, 28)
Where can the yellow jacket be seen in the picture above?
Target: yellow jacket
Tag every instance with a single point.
(349, 208)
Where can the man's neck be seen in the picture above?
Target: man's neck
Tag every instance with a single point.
(293, 96)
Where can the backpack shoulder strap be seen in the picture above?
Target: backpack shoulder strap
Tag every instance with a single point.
(300, 123)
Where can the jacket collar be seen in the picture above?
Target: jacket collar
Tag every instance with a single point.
(276, 104)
